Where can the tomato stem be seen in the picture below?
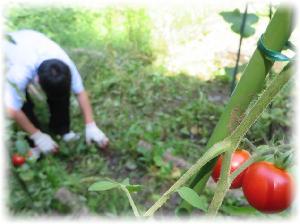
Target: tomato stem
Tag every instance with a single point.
(254, 158)
(229, 144)
(131, 202)
(213, 152)
(250, 144)
(223, 184)
(250, 85)
(235, 138)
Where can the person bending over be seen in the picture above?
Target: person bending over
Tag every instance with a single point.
(31, 57)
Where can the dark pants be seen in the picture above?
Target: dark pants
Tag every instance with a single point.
(59, 122)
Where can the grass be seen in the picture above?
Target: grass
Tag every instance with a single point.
(143, 108)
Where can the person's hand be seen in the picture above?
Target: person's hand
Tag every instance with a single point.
(71, 136)
(44, 142)
(34, 153)
(94, 134)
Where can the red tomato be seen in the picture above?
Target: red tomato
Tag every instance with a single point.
(18, 160)
(268, 188)
(237, 159)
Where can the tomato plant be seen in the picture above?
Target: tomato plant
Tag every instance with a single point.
(18, 160)
(268, 188)
(238, 158)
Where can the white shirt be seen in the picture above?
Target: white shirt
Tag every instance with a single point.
(23, 59)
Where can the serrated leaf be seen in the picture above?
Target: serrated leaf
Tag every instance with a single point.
(190, 196)
(103, 186)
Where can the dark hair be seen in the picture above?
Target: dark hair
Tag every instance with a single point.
(55, 78)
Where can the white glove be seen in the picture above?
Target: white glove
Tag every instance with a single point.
(44, 142)
(71, 136)
(34, 153)
(93, 133)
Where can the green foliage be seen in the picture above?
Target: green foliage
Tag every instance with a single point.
(103, 186)
(21, 145)
(142, 108)
(124, 186)
(93, 29)
(239, 211)
(235, 19)
(193, 198)
(276, 120)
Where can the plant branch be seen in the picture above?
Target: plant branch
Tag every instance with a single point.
(214, 151)
(250, 117)
(263, 101)
(251, 83)
(227, 145)
(252, 159)
(250, 144)
(131, 202)
(223, 185)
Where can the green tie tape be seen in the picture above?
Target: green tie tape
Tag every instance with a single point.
(270, 54)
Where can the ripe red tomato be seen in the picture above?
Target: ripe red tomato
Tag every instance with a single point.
(18, 160)
(268, 188)
(237, 159)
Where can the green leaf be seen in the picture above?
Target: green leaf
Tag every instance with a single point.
(130, 164)
(184, 131)
(103, 186)
(22, 146)
(126, 181)
(190, 196)
(131, 187)
(239, 211)
(235, 18)
(158, 161)
(27, 176)
(134, 188)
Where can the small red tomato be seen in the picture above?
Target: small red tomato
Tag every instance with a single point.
(237, 159)
(268, 188)
(18, 160)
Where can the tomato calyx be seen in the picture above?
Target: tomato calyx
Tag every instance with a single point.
(283, 160)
